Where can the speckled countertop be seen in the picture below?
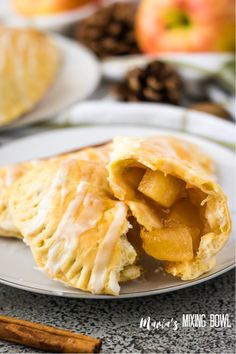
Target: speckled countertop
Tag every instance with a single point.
(118, 321)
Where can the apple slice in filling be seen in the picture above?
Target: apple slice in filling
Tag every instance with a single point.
(164, 190)
(185, 213)
(171, 224)
(172, 243)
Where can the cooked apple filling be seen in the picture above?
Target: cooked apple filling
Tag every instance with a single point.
(169, 187)
(171, 214)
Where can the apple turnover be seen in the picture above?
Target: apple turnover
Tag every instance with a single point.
(169, 187)
(10, 174)
(75, 228)
(29, 64)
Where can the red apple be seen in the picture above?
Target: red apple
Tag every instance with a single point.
(185, 25)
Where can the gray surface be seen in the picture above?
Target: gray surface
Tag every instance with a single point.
(117, 321)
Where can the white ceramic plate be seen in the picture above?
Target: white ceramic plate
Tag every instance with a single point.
(17, 267)
(161, 116)
(58, 22)
(78, 77)
(192, 66)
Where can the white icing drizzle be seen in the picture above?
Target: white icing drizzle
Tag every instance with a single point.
(11, 175)
(35, 162)
(38, 221)
(66, 229)
(84, 275)
(64, 193)
(113, 282)
(106, 247)
(72, 225)
(8, 225)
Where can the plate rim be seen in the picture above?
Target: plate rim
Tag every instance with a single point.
(89, 296)
(121, 296)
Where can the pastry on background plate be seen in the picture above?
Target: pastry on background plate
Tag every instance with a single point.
(10, 174)
(45, 7)
(29, 64)
(75, 228)
(169, 187)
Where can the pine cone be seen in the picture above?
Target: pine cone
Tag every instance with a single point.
(110, 31)
(157, 82)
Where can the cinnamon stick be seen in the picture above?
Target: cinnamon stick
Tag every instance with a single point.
(46, 338)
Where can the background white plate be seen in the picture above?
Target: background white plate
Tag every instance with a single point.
(160, 115)
(191, 66)
(17, 267)
(59, 22)
(77, 78)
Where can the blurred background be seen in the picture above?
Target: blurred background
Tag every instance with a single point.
(148, 64)
(177, 52)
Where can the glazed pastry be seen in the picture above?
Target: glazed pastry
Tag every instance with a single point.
(45, 7)
(10, 174)
(168, 185)
(75, 228)
(29, 64)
